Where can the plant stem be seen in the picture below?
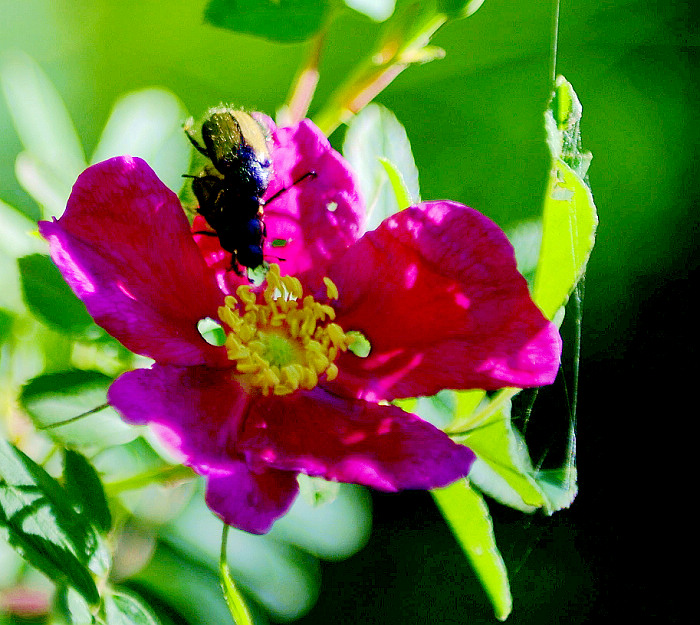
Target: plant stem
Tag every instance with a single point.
(304, 85)
(162, 474)
(57, 424)
(470, 422)
(404, 42)
(234, 599)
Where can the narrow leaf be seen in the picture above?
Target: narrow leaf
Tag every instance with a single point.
(37, 519)
(85, 487)
(286, 22)
(470, 521)
(569, 218)
(568, 231)
(49, 297)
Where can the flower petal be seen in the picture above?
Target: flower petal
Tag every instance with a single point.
(197, 412)
(436, 291)
(344, 440)
(124, 246)
(252, 501)
(318, 217)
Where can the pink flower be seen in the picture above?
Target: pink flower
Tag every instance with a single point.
(433, 292)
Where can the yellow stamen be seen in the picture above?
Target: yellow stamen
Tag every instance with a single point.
(331, 289)
(282, 341)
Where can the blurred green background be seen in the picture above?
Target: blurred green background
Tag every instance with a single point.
(475, 123)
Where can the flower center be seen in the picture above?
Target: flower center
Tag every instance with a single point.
(287, 341)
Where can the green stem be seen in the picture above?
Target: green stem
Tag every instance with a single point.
(470, 422)
(234, 599)
(57, 424)
(159, 475)
(403, 42)
(304, 85)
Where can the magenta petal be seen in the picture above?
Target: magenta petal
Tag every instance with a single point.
(196, 411)
(320, 434)
(124, 246)
(251, 501)
(436, 291)
(320, 216)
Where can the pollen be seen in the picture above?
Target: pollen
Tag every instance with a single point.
(280, 340)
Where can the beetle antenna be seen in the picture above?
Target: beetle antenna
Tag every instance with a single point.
(308, 174)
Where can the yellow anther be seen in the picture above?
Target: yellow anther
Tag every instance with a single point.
(292, 374)
(227, 316)
(247, 365)
(280, 340)
(245, 295)
(332, 372)
(293, 286)
(310, 379)
(276, 320)
(336, 335)
(328, 311)
(331, 289)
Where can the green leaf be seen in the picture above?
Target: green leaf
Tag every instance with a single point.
(73, 606)
(284, 21)
(438, 409)
(569, 218)
(374, 137)
(503, 468)
(470, 521)
(568, 235)
(51, 399)
(38, 520)
(377, 10)
(85, 487)
(49, 297)
(559, 486)
(126, 609)
(43, 126)
(148, 124)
